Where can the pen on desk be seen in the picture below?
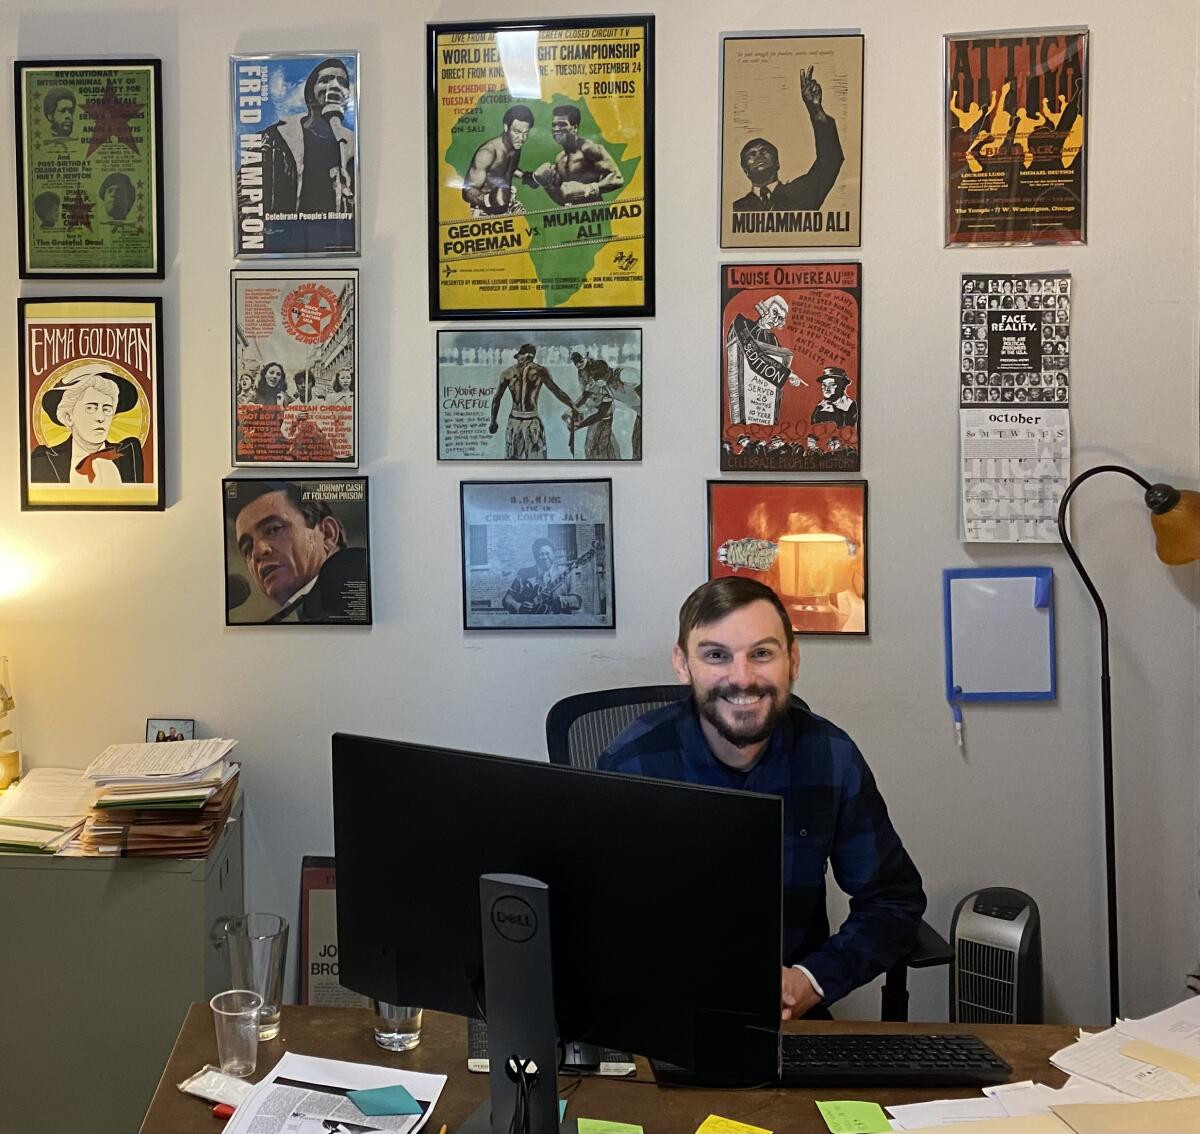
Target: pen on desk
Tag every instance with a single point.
(443, 1129)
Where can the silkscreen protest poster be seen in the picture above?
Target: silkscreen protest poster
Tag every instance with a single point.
(1016, 138)
(790, 377)
(295, 154)
(541, 184)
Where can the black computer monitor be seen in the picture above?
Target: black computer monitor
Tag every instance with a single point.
(665, 898)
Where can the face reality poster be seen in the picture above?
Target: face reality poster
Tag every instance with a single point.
(790, 377)
(541, 184)
(91, 403)
(297, 551)
(791, 141)
(89, 153)
(295, 367)
(1016, 138)
(295, 154)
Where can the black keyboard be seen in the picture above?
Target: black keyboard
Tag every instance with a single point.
(890, 1061)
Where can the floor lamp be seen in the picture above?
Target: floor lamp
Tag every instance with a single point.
(1175, 518)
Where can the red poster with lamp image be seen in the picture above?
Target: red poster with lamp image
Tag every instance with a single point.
(806, 541)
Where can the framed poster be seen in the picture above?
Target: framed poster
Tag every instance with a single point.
(537, 555)
(89, 169)
(541, 168)
(791, 340)
(806, 541)
(295, 154)
(294, 351)
(1016, 137)
(90, 373)
(791, 140)
(297, 551)
(527, 395)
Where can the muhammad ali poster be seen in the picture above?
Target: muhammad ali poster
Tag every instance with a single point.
(537, 555)
(91, 403)
(791, 141)
(297, 551)
(295, 154)
(295, 367)
(806, 541)
(790, 376)
(537, 395)
(89, 160)
(1016, 137)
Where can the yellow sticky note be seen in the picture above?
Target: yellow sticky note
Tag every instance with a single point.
(848, 1117)
(603, 1126)
(715, 1124)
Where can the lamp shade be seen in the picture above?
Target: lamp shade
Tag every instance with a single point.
(1175, 517)
(815, 563)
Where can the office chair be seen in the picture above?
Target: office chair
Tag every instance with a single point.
(580, 727)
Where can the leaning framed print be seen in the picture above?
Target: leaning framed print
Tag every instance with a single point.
(541, 168)
(91, 383)
(537, 555)
(563, 395)
(791, 140)
(295, 154)
(297, 551)
(294, 346)
(89, 169)
(805, 540)
(1015, 137)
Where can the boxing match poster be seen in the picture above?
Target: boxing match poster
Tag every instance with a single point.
(295, 154)
(295, 367)
(1016, 138)
(89, 156)
(541, 178)
(791, 141)
(790, 377)
(90, 373)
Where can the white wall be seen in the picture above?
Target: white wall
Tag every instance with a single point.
(123, 616)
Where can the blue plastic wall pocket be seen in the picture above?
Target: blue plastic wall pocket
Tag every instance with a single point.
(999, 634)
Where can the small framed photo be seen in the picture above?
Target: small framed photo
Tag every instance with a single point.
(91, 382)
(159, 729)
(805, 540)
(295, 154)
(90, 171)
(297, 551)
(294, 346)
(537, 555)
(518, 394)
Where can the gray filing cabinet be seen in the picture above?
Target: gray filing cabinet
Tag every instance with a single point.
(99, 960)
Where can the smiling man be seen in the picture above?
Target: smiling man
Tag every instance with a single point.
(741, 729)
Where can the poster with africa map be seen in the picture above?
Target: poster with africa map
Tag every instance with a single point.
(541, 180)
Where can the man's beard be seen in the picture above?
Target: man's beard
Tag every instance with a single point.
(746, 735)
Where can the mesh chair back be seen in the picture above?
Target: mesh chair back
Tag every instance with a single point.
(579, 728)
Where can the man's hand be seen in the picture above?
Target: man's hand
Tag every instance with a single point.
(797, 994)
(810, 92)
(492, 427)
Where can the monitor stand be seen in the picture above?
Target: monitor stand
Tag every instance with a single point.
(519, 994)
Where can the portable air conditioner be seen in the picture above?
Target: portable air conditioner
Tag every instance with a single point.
(996, 974)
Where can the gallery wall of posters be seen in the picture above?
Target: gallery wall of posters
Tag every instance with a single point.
(531, 394)
(537, 555)
(790, 380)
(541, 180)
(806, 541)
(295, 154)
(89, 160)
(90, 374)
(295, 367)
(791, 141)
(297, 551)
(1016, 137)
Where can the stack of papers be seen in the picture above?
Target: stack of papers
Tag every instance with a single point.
(43, 812)
(171, 762)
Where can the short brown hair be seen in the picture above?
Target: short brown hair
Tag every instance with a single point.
(712, 601)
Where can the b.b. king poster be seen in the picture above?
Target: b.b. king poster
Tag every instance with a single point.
(1016, 137)
(791, 141)
(295, 154)
(790, 373)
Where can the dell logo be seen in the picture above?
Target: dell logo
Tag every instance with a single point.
(513, 918)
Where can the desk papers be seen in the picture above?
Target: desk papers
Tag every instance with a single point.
(1178, 1116)
(302, 1093)
(1099, 1058)
(180, 760)
(41, 814)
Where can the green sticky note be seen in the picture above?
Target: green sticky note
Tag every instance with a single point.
(603, 1126)
(384, 1100)
(847, 1117)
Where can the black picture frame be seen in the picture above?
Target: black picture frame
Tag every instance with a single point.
(167, 725)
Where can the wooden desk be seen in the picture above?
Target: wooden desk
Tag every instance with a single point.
(345, 1033)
